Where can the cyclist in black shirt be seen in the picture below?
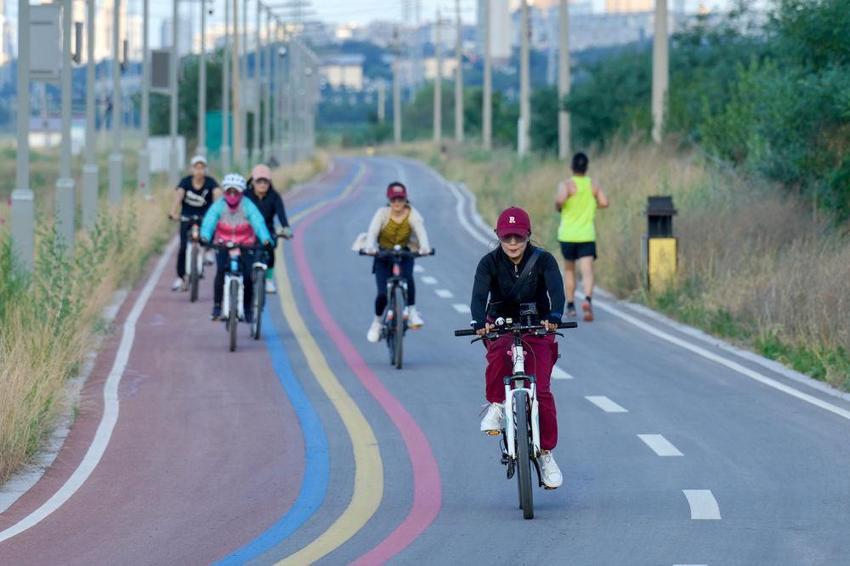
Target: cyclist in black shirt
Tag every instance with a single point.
(262, 193)
(194, 195)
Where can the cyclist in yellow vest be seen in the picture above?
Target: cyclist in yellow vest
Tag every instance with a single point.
(577, 200)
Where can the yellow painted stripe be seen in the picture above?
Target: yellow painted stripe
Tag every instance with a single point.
(369, 470)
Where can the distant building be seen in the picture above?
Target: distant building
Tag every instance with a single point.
(343, 71)
(6, 44)
(449, 66)
(185, 36)
(621, 6)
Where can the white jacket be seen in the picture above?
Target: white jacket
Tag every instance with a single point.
(418, 240)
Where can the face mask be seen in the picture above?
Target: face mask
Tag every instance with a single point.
(233, 200)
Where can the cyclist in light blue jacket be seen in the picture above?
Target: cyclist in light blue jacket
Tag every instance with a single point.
(235, 220)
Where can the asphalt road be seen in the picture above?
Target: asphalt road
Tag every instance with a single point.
(309, 447)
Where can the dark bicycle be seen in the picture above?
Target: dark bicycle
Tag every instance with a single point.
(232, 307)
(521, 429)
(194, 256)
(395, 315)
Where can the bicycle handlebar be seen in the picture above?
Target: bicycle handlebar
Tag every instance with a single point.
(396, 253)
(509, 329)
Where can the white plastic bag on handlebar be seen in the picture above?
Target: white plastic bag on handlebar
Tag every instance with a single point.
(359, 242)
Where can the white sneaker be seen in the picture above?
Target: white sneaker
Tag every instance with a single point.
(374, 333)
(413, 318)
(549, 471)
(270, 288)
(177, 285)
(492, 421)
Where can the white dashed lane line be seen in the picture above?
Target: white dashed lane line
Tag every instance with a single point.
(703, 505)
(605, 404)
(428, 280)
(660, 445)
(461, 308)
(444, 293)
(418, 268)
(558, 373)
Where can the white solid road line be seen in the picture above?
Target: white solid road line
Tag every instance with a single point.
(428, 280)
(461, 308)
(462, 219)
(444, 293)
(558, 373)
(660, 445)
(703, 504)
(110, 410)
(605, 404)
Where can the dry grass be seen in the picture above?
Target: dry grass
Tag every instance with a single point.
(287, 176)
(755, 266)
(49, 322)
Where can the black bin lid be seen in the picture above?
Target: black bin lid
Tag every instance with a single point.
(660, 206)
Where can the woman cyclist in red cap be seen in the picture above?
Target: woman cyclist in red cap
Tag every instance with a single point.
(518, 273)
(397, 224)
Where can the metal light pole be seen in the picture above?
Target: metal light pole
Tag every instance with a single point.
(396, 102)
(660, 70)
(243, 75)
(65, 212)
(225, 95)
(524, 85)
(487, 94)
(116, 159)
(23, 212)
(268, 114)
(563, 79)
(382, 101)
(255, 134)
(202, 85)
(438, 83)
(173, 167)
(144, 153)
(458, 77)
(90, 169)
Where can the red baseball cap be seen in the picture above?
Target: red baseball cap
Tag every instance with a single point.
(396, 190)
(513, 221)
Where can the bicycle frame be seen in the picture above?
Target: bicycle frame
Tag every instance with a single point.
(396, 280)
(518, 356)
(234, 272)
(194, 240)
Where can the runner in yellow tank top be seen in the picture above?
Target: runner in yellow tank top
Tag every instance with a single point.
(577, 200)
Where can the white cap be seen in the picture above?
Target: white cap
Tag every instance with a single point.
(198, 159)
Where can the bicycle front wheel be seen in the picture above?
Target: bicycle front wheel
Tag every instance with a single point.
(398, 301)
(194, 276)
(523, 455)
(259, 301)
(233, 315)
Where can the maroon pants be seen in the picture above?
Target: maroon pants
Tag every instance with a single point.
(540, 357)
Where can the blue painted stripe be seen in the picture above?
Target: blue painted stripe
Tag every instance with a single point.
(316, 468)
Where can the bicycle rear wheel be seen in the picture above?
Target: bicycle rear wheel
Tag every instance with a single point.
(259, 301)
(398, 301)
(194, 276)
(523, 455)
(233, 315)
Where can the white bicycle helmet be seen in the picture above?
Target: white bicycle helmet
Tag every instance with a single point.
(233, 181)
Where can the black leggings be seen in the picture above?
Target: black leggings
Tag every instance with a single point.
(222, 258)
(383, 271)
(181, 252)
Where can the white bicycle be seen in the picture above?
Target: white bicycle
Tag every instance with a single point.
(521, 426)
(232, 305)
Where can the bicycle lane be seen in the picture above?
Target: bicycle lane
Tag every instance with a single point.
(192, 468)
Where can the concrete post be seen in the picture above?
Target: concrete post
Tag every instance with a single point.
(202, 85)
(524, 143)
(116, 159)
(23, 211)
(225, 95)
(438, 83)
(90, 168)
(660, 70)
(458, 76)
(65, 204)
(144, 153)
(563, 79)
(173, 166)
(487, 95)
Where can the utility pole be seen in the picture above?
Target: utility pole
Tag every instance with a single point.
(438, 83)
(487, 94)
(174, 168)
(458, 76)
(268, 115)
(23, 211)
(523, 144)
(279, 99)
(660, 70)
(243, 75)
(144, 153)
(238, 140)
(90, 169)
(65, 212)
(225, 95)
(382, 101)
(202, 85)
(396, 94)
(255, 133)
(563, 79)
(116, 159)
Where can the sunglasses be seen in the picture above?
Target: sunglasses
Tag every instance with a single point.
(262, 180)
(514, 239)
(398, 199)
